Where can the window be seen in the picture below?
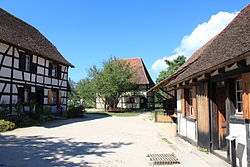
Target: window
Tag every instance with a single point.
(190, 99)
(26, 95)
(188, 102)
(238, 87)
(54, 71)
(27, 63)
(54, 97)
(128, 99)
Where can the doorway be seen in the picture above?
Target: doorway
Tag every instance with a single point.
(221, 115)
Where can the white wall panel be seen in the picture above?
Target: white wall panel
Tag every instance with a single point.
(5, 72)
(7, 61)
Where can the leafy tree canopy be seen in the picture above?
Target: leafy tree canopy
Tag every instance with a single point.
(172, 67)
(115, 78)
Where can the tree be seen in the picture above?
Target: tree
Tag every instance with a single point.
(115, 78)
(160, 95)
(172, 67)
(85, 91)
(72, 96)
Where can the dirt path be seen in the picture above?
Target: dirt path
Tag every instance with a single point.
(95, 141)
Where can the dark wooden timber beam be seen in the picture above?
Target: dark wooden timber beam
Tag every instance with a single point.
(221, 70)
(242, 63)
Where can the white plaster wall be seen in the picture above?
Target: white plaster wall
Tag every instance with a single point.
(47, 63)
(33, 77)
(40, 70)
(54, 81)
(16, 53)
(3, 47)
(17, 74)
(7, 61)
(41, 61)
(7, 88)
(46, 72)
(64, 83)
(47, 80)
(191, 129)
(10, 50)
(5, 99)
(39, 79)
(16, 63)
(5, 72)
(14, 89)
(34, 58)
(239, 130)
(27, 76)
(1, 86)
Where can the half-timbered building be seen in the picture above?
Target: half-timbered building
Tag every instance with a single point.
(138, 98)
(212, 93)
(32, 71)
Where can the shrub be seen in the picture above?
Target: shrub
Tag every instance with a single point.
(75, 112)
(6, 125)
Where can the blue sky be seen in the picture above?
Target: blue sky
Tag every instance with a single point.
(86, 32)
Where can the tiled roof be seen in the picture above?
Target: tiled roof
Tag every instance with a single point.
(142, 76)
(18, 33)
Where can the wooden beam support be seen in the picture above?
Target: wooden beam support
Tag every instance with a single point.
(242, 63)
(221, 70)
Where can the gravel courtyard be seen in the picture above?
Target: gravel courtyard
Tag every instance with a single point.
(98, 141)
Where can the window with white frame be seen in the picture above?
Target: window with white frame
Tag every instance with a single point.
(191, 107)
(238, 88)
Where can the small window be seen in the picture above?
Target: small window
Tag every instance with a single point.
(27, 63)
(54, 97)
(239, 107)
(54, 70)
(189, 108)
(26, 95)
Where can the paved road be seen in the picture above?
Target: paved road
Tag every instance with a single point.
(96, 141)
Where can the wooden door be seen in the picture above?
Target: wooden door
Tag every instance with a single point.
(203, 126)
(222, 121)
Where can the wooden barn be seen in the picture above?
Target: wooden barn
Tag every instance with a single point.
(139, 98)
(32, 71)
(212, 92)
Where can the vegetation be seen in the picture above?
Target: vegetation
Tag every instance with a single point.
(160, 95)
(75, 112)
(109, 82)
(6, 125)
(166, 140)
(203, 150)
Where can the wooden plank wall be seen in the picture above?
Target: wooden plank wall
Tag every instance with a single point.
(203, 126)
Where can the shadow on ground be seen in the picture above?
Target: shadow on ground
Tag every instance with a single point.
(49, 151)
(87, 117)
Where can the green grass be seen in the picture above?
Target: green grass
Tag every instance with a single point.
(166, 140)
(118, 114)
(203, 150)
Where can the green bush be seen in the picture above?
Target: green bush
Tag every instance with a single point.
(75, 112)
(6, 125)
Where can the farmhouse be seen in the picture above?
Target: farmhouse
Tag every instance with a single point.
(139, 98)
(31, 68)
(212, 96)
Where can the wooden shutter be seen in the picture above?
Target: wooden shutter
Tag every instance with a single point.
(59, 97)
(246, 95)
(194, 101)
(50, 94)
(183, 105)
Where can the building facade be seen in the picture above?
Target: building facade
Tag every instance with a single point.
(139, 98)
(32, 71)
(213, 93)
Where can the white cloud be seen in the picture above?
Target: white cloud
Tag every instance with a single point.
(200, 35)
